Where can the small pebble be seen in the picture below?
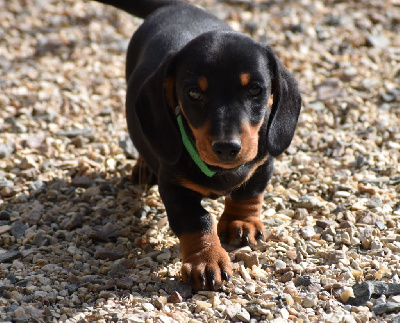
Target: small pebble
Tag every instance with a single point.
(307, 232)
(250, 288)
(161, 301)
(19, 313)
(287, 276)
(4, 215)
(378, 41)
(279, 265)
(9, 256)
(82, 181)
(250, 259)
(244, 273)
(243, 315)
(233, 310)
(5, 228)
(148, 307)
(290, 288)
(309, 202)
(175, 297)
(310, 300)
(346, 294)
(110, 254)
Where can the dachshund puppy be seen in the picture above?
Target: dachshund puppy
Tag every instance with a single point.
(208, 109)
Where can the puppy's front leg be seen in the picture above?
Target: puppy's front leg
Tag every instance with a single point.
(205, 264)
(240, 223)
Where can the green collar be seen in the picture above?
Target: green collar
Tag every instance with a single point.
(191, 148)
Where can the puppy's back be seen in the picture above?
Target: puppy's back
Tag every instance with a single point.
(140, 8)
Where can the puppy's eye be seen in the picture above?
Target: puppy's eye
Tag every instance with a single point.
(195, 94)
(255, 90)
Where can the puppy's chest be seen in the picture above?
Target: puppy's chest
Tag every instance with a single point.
(221, 184)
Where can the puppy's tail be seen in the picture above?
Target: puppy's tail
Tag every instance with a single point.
(139, 8)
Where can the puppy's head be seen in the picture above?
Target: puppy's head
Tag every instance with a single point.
(223, 83)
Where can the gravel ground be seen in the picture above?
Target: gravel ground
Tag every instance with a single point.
(79, 242)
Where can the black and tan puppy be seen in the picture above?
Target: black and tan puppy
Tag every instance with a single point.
(208, 109)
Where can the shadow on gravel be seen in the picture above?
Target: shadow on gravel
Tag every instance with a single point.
(71, 246)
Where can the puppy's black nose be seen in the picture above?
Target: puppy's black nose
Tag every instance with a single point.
(226, 150)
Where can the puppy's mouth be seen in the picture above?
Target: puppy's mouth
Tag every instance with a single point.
(218, 164)
(219, 169)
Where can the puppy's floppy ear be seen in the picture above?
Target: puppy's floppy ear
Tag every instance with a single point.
(285, 108)
(154, 108)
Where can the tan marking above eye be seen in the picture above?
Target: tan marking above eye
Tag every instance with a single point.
(245, 79)
(203, 83)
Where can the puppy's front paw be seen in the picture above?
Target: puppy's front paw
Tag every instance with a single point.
(205, 263)
(239, 232)
(240, 223)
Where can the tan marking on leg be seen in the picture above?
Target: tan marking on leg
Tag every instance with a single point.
(243, 209)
